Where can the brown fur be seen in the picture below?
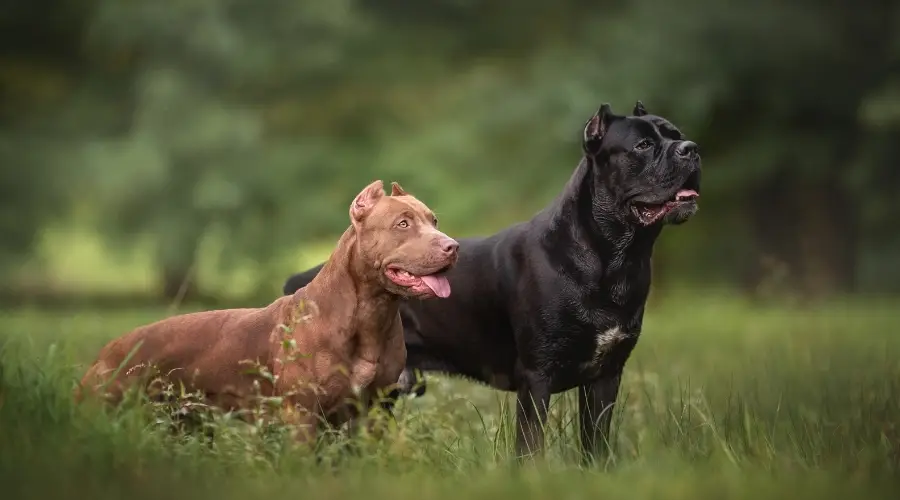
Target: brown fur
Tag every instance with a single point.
(338, 337)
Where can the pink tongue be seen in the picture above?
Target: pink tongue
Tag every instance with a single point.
(438, 284)
(685, 193)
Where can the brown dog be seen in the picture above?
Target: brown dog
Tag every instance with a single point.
(338, 337)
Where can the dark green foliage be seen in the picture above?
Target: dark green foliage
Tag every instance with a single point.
(254, 122)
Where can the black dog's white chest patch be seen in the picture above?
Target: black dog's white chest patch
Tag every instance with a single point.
(604, 341)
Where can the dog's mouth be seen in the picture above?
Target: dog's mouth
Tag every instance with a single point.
(434, 284)
(686, 195)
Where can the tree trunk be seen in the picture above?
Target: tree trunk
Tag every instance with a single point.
(828, 217)
(177, 256)
(827, 240)
(766, 208)
(806, 236)
(178, 283)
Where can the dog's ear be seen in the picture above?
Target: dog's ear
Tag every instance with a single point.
(595, 129)
(396, 190)
(639, 109)
(366, 200)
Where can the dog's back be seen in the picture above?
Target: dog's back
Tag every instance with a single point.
(197, 349)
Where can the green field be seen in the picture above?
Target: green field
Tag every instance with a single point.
(721, 400)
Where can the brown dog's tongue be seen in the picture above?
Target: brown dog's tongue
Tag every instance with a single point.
(438, 284)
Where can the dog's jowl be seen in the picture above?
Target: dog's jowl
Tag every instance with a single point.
(557, 302)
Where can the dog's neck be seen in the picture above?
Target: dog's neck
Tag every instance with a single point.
(589, 222)
(346, 273)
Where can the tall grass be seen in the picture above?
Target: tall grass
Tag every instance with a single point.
(720, 400)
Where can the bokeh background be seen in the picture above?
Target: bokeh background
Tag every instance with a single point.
(206, 149)
(163, 156)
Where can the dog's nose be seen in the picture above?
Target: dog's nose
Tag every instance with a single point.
(449, 245)
(686, 148)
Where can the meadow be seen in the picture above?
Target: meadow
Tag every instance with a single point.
(147, 142)
(721, 399)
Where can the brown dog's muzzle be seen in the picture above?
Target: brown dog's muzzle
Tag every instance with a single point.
(449, 247)
(421, 267)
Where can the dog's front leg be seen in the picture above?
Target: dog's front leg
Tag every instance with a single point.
(532, 404)
(364, 366)
(302, 421)
(595, 407)
(361, 376)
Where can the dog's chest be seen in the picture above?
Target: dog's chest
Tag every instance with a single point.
(581, 356)
(604, 342)
(584, 344)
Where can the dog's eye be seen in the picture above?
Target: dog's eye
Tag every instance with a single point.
(644, 145)
(403, 224)
(435, 222)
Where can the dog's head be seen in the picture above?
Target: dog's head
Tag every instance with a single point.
(398, 237)
(644, 162)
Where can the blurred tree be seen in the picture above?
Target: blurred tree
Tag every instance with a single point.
(247, 122)
(40, 66)
(775, 92)
(207, 74)
(772, 91)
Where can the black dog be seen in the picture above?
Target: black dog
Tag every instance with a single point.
(558, 302)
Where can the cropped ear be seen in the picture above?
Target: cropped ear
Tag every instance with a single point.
(366, 200)
(396, 190)
(639, 109)
(596, 128)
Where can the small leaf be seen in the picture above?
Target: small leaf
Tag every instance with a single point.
(289, 345)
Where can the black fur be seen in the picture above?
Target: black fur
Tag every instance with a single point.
(529, 303)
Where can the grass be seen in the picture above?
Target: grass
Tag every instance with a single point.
(720, 400)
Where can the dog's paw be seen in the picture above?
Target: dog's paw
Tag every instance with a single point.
(410, 385)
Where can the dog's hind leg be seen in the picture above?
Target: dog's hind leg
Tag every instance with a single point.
(407, 384)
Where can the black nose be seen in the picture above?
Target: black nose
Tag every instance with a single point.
(686, 149)
(449, 245)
